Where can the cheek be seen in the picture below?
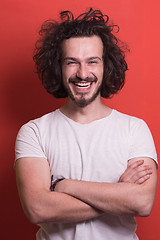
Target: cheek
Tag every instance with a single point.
(67, 73)
(64, 75)
(99, 73)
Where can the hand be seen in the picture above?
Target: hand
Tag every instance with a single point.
(136, 172)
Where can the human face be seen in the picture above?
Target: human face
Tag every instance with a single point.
(82, 68)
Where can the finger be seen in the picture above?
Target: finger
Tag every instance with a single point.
(143, 168)
(143, 179)
(137, 169)
(129, 172)
(142, 173)
(136, 164)
(133, 174)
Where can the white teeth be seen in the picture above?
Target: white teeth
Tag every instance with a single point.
(80, 84)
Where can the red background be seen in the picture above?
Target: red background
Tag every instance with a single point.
(23, 98)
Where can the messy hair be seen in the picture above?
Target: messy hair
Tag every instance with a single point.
(48, 50)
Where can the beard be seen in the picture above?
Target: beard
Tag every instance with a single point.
(82, 101)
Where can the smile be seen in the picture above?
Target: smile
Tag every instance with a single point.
(83, 84)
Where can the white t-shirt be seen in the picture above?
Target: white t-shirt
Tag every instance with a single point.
(98, 151)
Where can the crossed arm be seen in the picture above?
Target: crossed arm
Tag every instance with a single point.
(75, 201)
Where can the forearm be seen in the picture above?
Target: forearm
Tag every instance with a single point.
(42, 205)
(124, 197)
(76, 200)
(114, 198)
(58, 207)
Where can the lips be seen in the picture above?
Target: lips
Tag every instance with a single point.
(82, 84)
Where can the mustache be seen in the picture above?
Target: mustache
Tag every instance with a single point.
(78, 79)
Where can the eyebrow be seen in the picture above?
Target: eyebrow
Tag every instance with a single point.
(75, 59)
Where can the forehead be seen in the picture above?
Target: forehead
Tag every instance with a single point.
(82, 47)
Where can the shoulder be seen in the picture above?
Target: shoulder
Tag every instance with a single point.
(139, 136)
(128, 120)
(39, 128)
(32, 136)
(133, 126)
(42, 122)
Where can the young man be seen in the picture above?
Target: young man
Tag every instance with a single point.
(85, 170)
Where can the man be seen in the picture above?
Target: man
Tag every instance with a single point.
(85, 170)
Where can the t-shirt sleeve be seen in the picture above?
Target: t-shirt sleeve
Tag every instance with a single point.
(28, 142)
(141, 141)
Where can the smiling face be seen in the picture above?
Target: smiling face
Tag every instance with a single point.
(82, 68)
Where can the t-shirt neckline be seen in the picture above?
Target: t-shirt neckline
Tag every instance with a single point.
(87, 124)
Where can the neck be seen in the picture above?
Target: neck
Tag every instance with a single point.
(93, 111)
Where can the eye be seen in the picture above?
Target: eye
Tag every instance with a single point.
(71, 63)
(93, 62)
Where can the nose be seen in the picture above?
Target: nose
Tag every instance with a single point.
(82, 71)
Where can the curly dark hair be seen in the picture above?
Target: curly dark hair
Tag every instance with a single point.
(48, 51)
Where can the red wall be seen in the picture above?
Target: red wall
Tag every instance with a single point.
(23, 98)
